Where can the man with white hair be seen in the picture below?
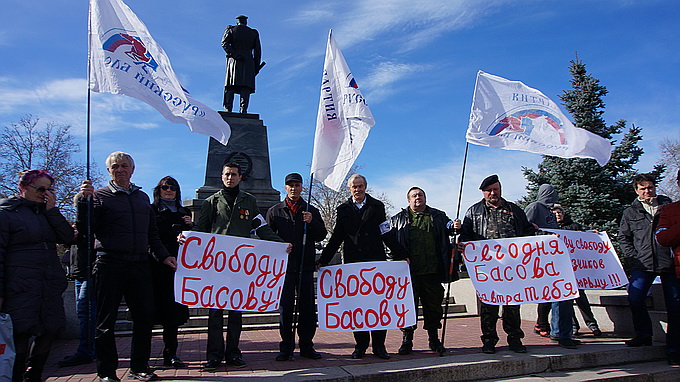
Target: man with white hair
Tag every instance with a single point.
(123, 226)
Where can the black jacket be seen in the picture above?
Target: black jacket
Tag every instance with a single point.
(474, 223)
(31, 278)
(124, 225)
(401, 223)
(290, 228)
(359, 230)
(636, 238)
(569, 224)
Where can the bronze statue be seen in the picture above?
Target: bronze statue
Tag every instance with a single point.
(242, 45)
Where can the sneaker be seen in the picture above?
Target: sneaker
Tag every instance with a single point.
(143, 376)
(639, 341)
(74, 360)
(673, 358)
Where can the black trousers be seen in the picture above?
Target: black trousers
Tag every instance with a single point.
(362, 340)
(113, 280)
(543, 313)
(216, 350)
(587, 313)
(429, 290)
(511, 322)
(306, 326)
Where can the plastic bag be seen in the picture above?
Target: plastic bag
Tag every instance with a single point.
(7, 351)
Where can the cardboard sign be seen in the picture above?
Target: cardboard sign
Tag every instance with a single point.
(230, 272)
(521, 270)
(593, 260)
(373, 295)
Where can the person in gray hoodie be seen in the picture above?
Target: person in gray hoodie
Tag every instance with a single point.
(560, 328)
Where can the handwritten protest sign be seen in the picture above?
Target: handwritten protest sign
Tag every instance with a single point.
(520, 270)
(230, 272)
(593, 260)
(373, 295)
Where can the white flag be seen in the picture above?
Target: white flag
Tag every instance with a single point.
(125, 59)
(343, 121)
(510, 115)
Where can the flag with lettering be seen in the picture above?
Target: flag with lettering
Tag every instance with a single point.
(125, 59)
(510, 115)
(342, 123)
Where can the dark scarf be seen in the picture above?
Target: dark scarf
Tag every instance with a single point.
(230, 194)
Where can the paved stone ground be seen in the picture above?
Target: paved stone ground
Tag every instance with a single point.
(261, 347)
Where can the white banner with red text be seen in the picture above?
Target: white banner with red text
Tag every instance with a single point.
(374, 295)
(230, 272)
(593, 259)
(521, 270)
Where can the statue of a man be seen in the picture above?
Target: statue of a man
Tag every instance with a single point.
(242, 45)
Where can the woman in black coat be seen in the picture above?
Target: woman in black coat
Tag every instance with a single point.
(171, 219)
(31, 277)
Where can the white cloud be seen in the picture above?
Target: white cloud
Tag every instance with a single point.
(386, 75)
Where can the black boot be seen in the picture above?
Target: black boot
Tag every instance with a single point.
(34, 367)
(406, 343)
(434, 342)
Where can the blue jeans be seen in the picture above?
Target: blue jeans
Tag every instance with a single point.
(561, 324)
(639, 284)
(86, 345)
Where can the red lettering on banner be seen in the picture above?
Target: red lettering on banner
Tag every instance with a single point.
(485, 253)
(208, 260)
(251, 300)
(209, 303)
(469, 244)
(479, 275)
(188, 241)
(251, 256)
(264, 270)
(236, 293)
(222, 290)
(385, 318)
(357, 324)
(185, 290)
(322, 284)
(269, 300)
(277, 274)
(366, 285)
(330, 315)
(401, 314)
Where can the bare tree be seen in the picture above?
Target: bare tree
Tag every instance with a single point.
(670, 157)
(50, 147)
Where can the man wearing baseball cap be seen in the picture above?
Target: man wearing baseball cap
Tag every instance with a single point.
(290, 219)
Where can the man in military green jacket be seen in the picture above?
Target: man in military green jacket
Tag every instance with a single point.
(230, 211)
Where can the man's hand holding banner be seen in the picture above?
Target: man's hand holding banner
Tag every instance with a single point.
(230, 272)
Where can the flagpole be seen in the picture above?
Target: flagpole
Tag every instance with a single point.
(89, 291)
(442, 350)
(296, 308)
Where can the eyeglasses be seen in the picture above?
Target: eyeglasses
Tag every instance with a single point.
(41, 189)
(166, 187)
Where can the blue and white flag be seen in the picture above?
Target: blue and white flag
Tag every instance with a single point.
(125, 59)
(510, 115)
(342, 123)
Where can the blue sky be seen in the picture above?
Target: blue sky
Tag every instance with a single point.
(415, 62)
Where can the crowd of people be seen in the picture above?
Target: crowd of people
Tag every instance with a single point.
(134, 242)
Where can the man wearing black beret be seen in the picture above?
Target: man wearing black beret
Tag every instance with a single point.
(494, 218)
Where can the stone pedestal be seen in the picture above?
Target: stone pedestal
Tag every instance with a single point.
(249, 147)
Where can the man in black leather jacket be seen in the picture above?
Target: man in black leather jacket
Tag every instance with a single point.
(424, 232)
